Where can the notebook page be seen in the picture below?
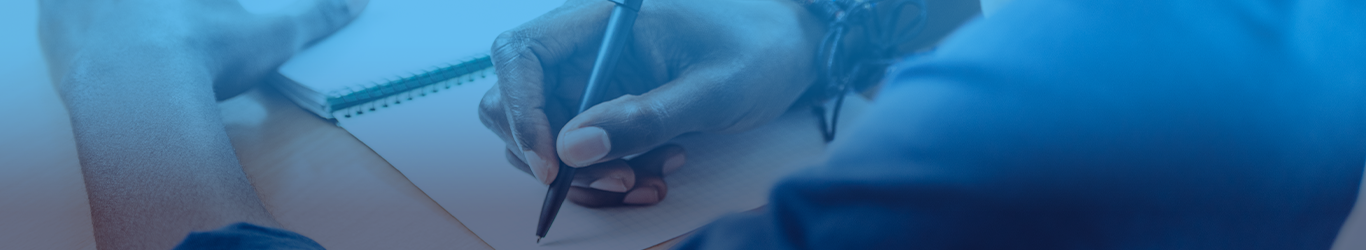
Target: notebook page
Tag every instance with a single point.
(397, 38)
(439, 143)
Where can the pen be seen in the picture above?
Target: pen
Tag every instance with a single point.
(618, 32)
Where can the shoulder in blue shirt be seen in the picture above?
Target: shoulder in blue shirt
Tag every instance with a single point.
(1083, 124)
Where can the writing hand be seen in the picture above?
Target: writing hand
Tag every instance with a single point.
(692, 66)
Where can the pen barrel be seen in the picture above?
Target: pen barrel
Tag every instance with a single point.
(615, 40)
(554, 198)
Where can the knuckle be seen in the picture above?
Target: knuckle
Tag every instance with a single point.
(509, 45)
(644, 113)
(518, 48)
(507, 37)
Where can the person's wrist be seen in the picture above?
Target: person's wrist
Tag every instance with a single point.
(123, 63)
(863, 38)
(814, 29)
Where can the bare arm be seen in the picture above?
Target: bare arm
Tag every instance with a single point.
(140, 80)
(156, 160)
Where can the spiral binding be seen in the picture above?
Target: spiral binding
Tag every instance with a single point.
(356, 100)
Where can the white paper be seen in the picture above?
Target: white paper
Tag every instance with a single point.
(398, 38)
(439, 143)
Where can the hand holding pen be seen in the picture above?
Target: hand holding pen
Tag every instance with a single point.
(686, 68)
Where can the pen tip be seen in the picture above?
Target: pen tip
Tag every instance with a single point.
(538, 240)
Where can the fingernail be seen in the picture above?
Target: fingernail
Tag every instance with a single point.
(674, 162)
(642, 196)
(584, 146)
(537, 165)
(610, 184)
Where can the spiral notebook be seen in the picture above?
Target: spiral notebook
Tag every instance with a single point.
(406, 79)
(397, 50)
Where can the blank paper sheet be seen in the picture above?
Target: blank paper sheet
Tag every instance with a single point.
(438, 142)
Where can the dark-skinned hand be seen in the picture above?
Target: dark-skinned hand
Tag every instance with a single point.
(691, 66)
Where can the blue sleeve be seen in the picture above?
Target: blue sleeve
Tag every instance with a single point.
(243, 236)
(1165, 124)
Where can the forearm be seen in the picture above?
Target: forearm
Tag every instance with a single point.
(155, 158)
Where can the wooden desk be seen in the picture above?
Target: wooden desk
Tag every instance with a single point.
(314, 177)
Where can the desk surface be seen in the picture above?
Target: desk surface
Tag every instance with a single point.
(315, 178)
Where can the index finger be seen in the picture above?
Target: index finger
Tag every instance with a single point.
(520, 58)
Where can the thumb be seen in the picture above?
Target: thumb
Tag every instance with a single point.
(632, 124)
(316, 19)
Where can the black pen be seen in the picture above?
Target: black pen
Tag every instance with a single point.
(617, 35)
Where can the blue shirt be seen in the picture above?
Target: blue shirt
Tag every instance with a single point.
(242, 236)
(1095, 124)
